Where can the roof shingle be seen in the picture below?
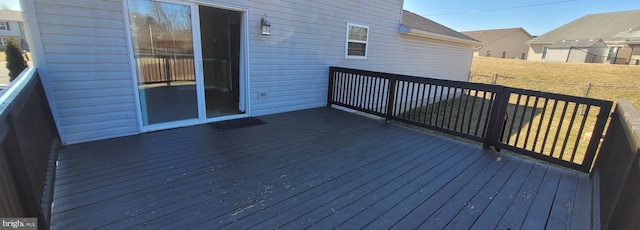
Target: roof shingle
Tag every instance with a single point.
(490, 35)
(615, 26)
(415, 21)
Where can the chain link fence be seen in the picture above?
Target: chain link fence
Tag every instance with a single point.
(599, 91)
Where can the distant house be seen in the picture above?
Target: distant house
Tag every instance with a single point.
(596, 38)
(579, 51)
(11, 27)
(502, 43)
(124, 67)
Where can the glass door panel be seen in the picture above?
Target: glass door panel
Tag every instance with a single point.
(163, 48)
(220, 38)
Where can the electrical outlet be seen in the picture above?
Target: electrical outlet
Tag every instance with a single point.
(262, 95)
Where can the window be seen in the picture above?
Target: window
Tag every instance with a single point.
(488, 54)
(523, 55)
(357, 39)
(544, 52)
(504, 54)
(3, 41)
(613, 53)
(4, 25)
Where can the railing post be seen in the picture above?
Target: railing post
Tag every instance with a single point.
(391, 93)
(167, 70)
(495, 126)
(586, 94)
(332, 71)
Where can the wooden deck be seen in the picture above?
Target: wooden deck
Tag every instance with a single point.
(320, 168)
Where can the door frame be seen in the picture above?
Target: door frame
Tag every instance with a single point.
(243, 80)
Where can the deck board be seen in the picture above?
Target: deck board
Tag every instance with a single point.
(336, 188)
(319, 168)
(540, 210)
(495, 210)
(457, 200)
(470, 212)
(344, 207)
(518, 209)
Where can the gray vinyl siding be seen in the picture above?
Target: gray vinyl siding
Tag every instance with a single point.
(87, 55)
(14, 30)
(307, 37)
(87, 59)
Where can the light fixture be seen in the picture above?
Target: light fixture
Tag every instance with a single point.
(266, 26)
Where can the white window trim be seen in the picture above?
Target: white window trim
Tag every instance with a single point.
(523, 55)
(543, 55)
(5, 24)
(503, 54)
(487, 53)
(3, 41)
(347, 40)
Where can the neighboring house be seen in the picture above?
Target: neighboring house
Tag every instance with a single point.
(502, 43)
(117, 68)
(580, 51)
(581, 40)
(12, 27)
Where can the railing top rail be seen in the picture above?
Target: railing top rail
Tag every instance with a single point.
(9, 94)
(425, 80)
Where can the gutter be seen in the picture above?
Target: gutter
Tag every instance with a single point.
(421, 33)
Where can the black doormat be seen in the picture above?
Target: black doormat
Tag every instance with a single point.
(237, 123)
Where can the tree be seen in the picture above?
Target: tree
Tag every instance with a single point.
(15, 60)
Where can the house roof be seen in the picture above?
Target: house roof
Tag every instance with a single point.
(580, 43)
(417, 25)
(491, 35)
(11, 15)
(615, 26)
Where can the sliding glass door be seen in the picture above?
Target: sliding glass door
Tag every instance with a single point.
(163, 50)
(185, 74)
(220, 36)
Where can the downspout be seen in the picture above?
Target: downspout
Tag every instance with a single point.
(569, 55)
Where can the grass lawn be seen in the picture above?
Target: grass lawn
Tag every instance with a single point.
(604, 77)
(3, 57)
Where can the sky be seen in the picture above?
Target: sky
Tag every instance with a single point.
(535, 16)
(10, 4)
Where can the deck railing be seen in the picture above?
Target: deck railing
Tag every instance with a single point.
(618, 170)
(164, 68)
(28, 147)
(560, 129)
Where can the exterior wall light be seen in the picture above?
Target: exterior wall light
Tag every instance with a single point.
(266, 26)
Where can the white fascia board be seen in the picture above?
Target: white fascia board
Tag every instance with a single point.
(539, 43)
(421, 33)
